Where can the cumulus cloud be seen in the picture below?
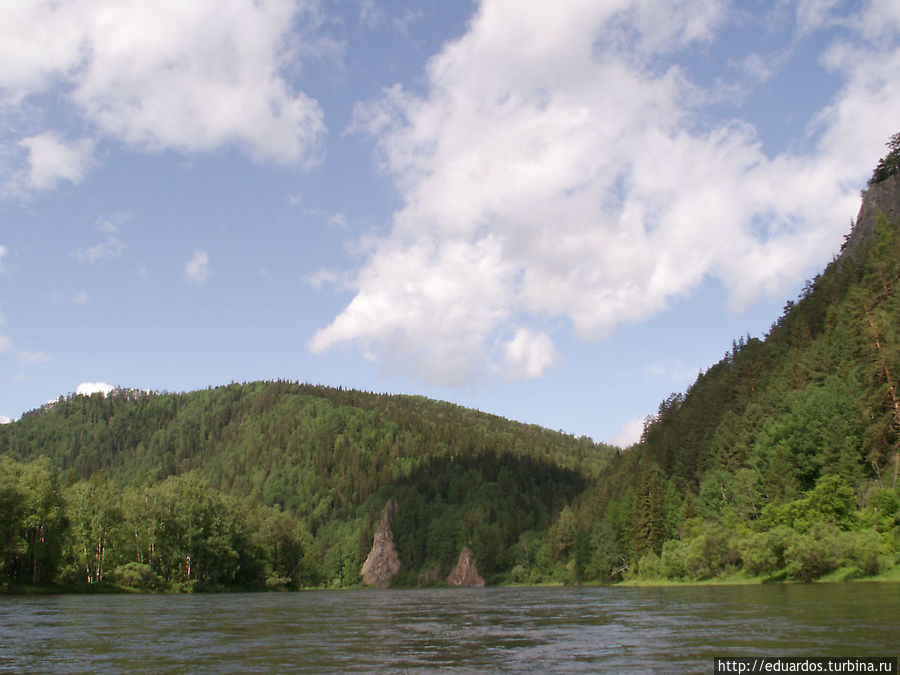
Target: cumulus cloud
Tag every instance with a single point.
(88, 388)
(5, 343)
(51, 160)
(196, 270)
(629, 434)
(167, 75)
(528, 355)
(553, 168)
(4, 419)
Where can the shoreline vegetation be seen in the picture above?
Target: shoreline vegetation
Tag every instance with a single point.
(781, 462)
(840, 576)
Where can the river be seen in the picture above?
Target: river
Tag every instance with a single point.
(672, 629)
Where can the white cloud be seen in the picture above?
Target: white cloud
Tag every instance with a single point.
(553, 169)
(52, 160)
(32, 358)
(4, 419)
(454, 292)
(189, 76)
(528, 355)
(88, 388)
(110, 247)
(629, 434)
(5, 343)
(81, 298)
(881, 21)
(2, 253)
(196, 270)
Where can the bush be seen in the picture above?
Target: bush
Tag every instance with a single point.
(818, 552)
(137, 575)
(864, 550)
(649, 566)
(763, 552)
(672, 559)
(710, 551)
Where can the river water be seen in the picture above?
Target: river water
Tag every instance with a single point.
(675, 629)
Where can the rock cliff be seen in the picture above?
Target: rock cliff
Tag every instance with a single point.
(883, 197)
(382, 563)
(466, 573)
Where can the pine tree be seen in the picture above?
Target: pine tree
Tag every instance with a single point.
(649, 516)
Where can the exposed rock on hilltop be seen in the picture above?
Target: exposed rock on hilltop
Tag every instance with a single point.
(882, 197)
(382, 563)
(465, 573)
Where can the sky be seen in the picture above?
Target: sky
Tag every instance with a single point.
(555, 212)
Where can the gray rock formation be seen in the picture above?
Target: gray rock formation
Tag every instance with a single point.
(466, 573)
(883, 197)
(382, 563)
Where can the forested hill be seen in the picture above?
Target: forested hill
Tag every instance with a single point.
(273, 482)
(783, 459)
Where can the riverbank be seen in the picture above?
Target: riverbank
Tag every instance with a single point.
(842, 575)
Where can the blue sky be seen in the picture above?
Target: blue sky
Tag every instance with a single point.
(556, 212)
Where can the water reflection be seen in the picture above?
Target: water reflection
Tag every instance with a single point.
(522, 629)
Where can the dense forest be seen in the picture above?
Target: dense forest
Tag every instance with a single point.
(273, 484)
(780, 462)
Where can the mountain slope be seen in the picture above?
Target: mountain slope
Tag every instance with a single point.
(274, 456)
(785, 451)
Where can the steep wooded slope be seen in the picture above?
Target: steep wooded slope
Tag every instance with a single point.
(787, 449)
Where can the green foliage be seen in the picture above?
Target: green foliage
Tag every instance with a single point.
(138, 576)
(672, 559)
(33, 522)
(649, 515)
(279, 485)
(810, 555)
(783, 459)
(762, 553)
(889, 165)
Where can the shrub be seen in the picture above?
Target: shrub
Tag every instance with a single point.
(763, 552)
(672, 559)
(864, 550)
(137, 575)
(711, 548)
(649, 566)
(706, 555)
(820, 551)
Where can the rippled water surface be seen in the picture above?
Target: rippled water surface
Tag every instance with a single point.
(523, 629)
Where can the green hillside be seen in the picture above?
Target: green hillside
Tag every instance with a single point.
(272, 483)
(782, 460)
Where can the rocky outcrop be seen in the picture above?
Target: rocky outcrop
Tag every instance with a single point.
(883, 197)
(382, 563)
(466, 573)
